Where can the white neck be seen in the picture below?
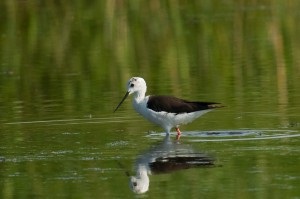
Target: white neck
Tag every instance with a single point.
(139, 95)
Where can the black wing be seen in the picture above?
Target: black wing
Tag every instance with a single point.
(175, 105)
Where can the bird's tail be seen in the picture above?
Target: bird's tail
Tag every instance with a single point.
(216, 105)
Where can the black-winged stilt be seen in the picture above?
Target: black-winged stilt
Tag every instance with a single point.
(165, 111)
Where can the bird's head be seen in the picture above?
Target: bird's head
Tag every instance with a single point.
(135, 85)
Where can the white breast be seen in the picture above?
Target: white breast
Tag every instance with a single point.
(164, 119)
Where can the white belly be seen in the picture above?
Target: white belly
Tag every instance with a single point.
(172, 119)
(167, 120)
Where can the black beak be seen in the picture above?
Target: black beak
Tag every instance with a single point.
(127, 93)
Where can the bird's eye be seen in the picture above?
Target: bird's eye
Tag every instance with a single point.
(131, 85)
(135, 184)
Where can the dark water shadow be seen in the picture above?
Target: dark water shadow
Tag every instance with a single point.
(166, 157)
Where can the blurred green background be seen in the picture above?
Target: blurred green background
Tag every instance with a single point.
(75, 51)
(64, 67)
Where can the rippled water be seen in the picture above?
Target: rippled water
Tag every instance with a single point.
(94, 156)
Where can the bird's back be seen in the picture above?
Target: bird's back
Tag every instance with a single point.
(175, 105)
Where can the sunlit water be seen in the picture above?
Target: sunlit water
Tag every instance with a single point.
(64, 69)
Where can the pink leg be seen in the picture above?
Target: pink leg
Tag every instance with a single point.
(178, 133)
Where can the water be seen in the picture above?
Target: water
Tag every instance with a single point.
(63, 70)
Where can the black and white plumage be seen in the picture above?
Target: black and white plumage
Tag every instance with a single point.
(175, 105)
(165, 111)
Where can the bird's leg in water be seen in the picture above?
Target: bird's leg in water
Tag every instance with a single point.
(178, 133)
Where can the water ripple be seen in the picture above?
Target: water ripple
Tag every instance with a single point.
(77, 121)
(233, 135)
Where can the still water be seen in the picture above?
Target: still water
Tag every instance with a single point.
(63, 70)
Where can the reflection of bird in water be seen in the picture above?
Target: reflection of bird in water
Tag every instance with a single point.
(165, 111)
(166, 157)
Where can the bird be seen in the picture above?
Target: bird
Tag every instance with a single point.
(164, 110)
